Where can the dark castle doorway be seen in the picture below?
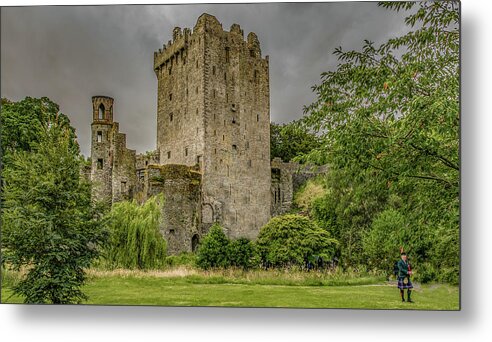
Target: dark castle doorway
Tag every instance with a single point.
(194, 242)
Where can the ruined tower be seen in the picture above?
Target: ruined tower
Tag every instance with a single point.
(213, 112)
(113, 172)
(102, 123)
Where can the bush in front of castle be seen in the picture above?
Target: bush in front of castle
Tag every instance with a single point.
(291, 240)
(212, 252)
(217, 251)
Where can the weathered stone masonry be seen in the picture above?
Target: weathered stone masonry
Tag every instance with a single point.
(113, 165)
(212, 161)
(213, 111)
(287, 178)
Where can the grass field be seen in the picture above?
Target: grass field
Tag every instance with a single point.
(255, 290)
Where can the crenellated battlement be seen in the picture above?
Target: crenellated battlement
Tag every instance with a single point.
(206, 23)
(213, 114)
(172, 49)
(212, 156)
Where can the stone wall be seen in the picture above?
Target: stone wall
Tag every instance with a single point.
(213, 111)
(145, 159)
(124, 172)
(113, 172)
(287, 178)
(180, 102)
(281, 189)
(237, 134)
(181, 187)
(212, 160)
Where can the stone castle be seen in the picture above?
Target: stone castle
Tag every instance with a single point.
(212, 161)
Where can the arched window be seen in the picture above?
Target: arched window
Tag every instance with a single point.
(101, 112)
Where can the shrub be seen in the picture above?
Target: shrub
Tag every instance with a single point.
(426, 273)
(312, 190)
(213, 251)
(242, 253)
(381, 243)
(182, 259)
(291, 239)
(135, 240)
(433, 252)
(446, 254)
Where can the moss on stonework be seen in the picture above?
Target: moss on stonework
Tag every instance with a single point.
(157, 179)
(174, 171)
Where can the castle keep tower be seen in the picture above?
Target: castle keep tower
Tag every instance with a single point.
(113, 172)
(212, 161)
(213, 112)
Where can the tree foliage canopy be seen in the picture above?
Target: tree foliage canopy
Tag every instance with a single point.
(25, 122)
(395, 107)
(389, 118)
(135, 240)
(292, 140)
(242, 253)
(290, 240)
(50, 227)
(217, 251)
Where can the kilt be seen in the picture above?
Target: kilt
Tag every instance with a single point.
(404, 285)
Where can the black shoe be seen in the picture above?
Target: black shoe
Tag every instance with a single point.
(403, 300)
(410, 301)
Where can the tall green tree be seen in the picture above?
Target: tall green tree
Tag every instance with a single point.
(348, 207)
(389, 119)
(291, 140)
(395, 107)
(25, 122)
(242, 253)
(50, 229)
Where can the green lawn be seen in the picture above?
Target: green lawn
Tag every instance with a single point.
(186, 291)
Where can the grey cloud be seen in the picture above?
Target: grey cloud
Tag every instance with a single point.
(72, 53)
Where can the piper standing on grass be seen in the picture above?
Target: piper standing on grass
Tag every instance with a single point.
(404, 273)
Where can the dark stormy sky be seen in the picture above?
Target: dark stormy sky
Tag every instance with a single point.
(72, 53)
